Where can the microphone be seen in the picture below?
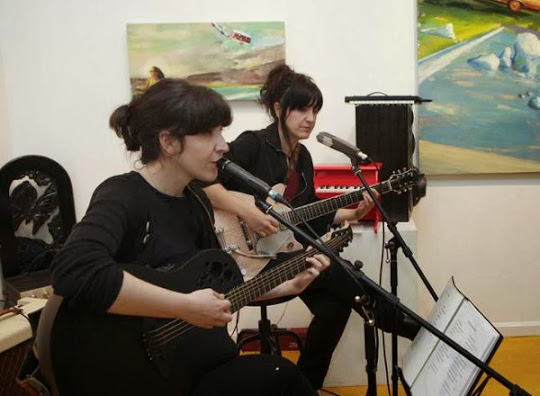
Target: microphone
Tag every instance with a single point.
(239, 173)
(342, 146)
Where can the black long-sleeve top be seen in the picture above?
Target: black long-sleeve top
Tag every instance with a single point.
(260, 153)
(129, 222)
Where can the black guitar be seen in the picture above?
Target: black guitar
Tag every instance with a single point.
(89, 350)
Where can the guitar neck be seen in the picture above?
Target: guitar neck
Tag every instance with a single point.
(246, 292)
(241, 295)
(265, 281)
(320, 208)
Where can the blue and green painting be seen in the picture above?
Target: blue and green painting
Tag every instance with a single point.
(479, 61)
(232, 58)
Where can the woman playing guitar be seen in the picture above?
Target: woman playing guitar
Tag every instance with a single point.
(107, 330)
(276, 155)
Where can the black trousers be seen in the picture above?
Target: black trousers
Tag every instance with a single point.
(330, 299)
(330, 315)
(248, 375)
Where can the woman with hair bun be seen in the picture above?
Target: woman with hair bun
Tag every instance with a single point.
(276, 155)
(152, 222)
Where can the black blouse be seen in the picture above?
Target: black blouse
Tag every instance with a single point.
(260, 153)
(129, 222)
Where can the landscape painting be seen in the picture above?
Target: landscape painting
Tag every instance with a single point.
(232, 58)
(479, 61)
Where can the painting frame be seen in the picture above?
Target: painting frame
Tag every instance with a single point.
(485, 114)
(232, 58)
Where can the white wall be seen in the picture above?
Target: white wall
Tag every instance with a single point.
(64, 69)
(5, 136)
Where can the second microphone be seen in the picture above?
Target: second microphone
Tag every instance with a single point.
(262, 189)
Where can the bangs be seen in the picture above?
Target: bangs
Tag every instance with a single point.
(207, 110)
(303, 96)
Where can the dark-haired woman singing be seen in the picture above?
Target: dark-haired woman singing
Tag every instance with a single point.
(142, 230)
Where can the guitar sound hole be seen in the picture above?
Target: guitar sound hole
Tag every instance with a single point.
(216, 269)
(227, 275)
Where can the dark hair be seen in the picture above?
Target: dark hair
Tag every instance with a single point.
(173, 105)
(293, 91)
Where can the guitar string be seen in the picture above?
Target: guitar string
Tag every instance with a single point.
(397, 183)
(170, 328)
(175, 328)
(347, 198)
(328, 204)
(177, 331)
(233, 295)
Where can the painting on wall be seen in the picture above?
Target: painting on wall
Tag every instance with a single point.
(232, 58)
(480, 64)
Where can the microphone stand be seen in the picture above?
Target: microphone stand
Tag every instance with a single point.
(393, 245)
(365, 282)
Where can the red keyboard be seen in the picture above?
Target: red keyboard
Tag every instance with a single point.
(335, 179)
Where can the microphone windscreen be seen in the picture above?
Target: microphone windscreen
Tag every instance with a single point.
(325, 138)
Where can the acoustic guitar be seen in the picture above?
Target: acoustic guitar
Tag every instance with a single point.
(103, 352)
(252, 252)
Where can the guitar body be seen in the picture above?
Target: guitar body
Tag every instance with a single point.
(250, 251)
(106, 354)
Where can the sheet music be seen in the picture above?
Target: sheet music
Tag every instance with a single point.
(425, 342)
(432, 367)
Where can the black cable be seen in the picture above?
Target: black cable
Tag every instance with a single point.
(480, 387)
(385, 364)
(377, 92)
(381, 264)
(329, 392)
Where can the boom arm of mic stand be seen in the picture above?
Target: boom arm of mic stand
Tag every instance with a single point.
(363, 300)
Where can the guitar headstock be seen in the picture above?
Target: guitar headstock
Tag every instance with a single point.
(407, 179)
(339, 238)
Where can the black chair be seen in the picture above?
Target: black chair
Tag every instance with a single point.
(267, 334)
(37, 213)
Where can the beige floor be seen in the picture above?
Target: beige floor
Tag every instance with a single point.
(517, 359)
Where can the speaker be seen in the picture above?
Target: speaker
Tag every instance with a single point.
(11, 362)
(384, 132)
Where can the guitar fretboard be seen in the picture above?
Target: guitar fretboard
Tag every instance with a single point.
(265, 281)
(320, 208)
(249, 291)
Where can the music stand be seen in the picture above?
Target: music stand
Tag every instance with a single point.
(363, 282)
(391, 297)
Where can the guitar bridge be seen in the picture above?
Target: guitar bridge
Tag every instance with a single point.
(153, 351)
(246, 232)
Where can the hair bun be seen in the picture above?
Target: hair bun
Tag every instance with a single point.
(119, 122)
